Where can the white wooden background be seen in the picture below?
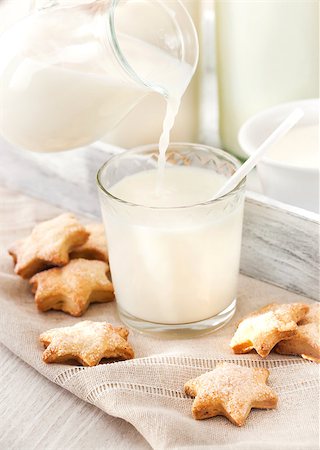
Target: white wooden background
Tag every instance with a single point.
(281, 245)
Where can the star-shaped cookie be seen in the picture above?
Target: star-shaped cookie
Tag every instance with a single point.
(86, 342)
(48, 245)
(306, 341)
(230, 390)
(263, 329)
(73, 287)
(96, 245)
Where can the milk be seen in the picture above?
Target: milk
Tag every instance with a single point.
(174, 265)
(38, 117)
(57, 95)
(299, 147)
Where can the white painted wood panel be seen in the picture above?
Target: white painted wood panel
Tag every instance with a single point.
(281, 245)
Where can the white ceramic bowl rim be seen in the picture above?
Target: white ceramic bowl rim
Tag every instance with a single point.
(243, 139)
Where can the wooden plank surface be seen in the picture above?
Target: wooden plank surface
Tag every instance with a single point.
(37, 414)
(66, 179)
(280, 245)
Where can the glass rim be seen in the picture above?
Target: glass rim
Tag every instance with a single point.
(145, 148)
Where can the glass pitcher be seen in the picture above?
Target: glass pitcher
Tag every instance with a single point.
(70, 72)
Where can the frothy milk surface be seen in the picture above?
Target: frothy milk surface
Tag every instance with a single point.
(181, 186)
(177, 265)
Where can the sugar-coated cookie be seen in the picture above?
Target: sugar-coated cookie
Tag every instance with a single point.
(96, 245)
(230, 390)
(73, 287)
(263, 329)
(306, 341)
(86, 342)
(48, 245)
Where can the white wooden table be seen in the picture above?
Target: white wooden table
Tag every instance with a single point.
(37, 414)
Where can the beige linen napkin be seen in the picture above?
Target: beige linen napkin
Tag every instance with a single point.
(148, 391)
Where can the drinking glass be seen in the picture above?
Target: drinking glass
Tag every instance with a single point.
(174, 269)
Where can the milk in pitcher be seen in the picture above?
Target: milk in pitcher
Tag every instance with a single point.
(63, 86)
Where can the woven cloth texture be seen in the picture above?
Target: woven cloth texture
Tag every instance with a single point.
(148, 391)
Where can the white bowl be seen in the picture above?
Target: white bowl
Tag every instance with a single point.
(282, 181)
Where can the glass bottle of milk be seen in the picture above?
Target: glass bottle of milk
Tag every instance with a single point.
(267, 53)
(70, 72)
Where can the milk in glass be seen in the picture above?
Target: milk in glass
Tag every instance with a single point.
(171, 262)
